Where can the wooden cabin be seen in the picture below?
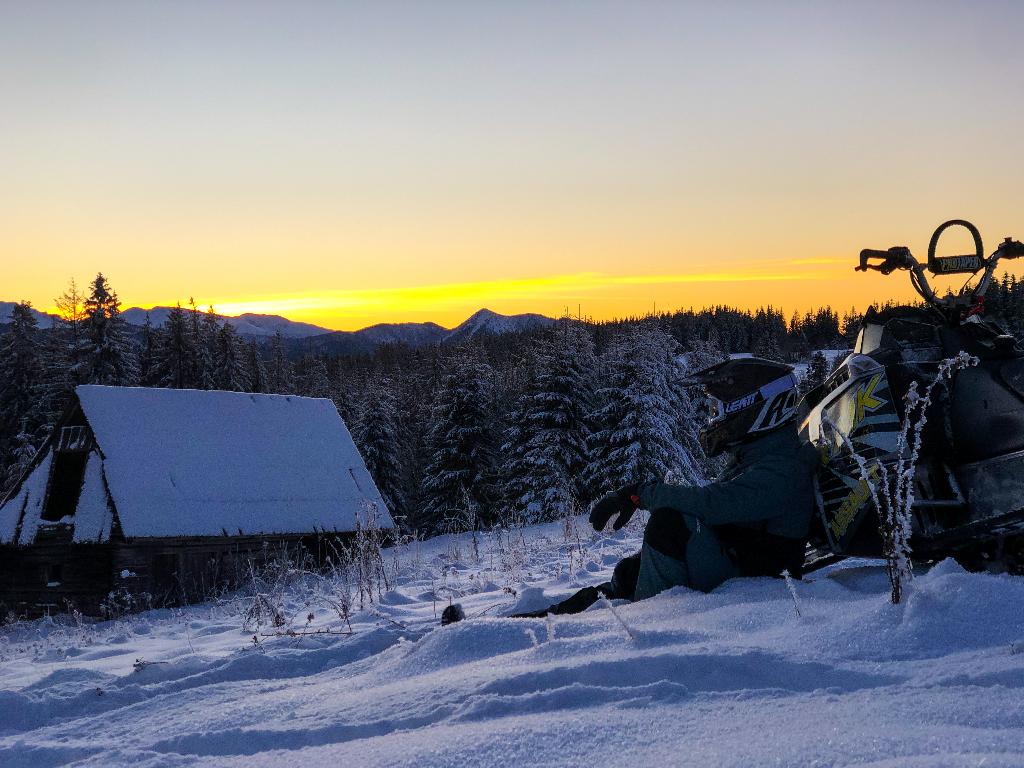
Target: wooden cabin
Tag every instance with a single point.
(159, 496)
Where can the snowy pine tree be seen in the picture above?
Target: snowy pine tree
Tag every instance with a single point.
(147, 354)
(347, 392)
(315, 380)
(703, 353)
(20, 455)
(817, 372)
(416, 386)
(110, 355)
(280, 372)
(21, 378)
(230, 371)
(174, 352)
(690, 410)
(766, 345)
(377, 433)
(459, 445)
(640, 432)
(205, 327)
(546, 450)
(63, 356)
(256, 368)
(68, 350)
(21, 371)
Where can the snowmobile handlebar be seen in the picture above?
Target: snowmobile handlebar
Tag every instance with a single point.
(900, 257)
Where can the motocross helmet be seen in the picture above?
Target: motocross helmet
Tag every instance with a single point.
(749, 397)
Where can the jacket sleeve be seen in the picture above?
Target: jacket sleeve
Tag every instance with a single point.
(760, 493)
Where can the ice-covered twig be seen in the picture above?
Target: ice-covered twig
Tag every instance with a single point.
(306, 633)
(792, 592)
(896, 500)
(388, 619)
(608, 604)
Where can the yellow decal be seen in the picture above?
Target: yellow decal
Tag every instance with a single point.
(865, 401)
(825, 454)
(852, 504)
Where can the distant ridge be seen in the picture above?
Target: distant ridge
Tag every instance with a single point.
(7, 307)
(364, 341)
(313, 338)
(247, 325)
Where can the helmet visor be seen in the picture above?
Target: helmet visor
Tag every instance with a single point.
(716, 409)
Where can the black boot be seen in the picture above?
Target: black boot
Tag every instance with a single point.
(576, 603)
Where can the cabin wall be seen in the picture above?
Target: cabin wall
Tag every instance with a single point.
(174, 571)
(105, 579)
(54, 578)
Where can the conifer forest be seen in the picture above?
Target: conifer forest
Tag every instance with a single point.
(519, 427)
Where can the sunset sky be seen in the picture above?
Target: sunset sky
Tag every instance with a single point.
(347, 164)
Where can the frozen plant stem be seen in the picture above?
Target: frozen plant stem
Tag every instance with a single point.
(895, 503)
(608, 604)
(792, 591)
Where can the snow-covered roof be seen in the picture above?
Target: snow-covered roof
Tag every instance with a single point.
(196, 463)
(27, 502)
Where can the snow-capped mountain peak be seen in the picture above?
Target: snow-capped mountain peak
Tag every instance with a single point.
(486, 321)
(247, 325)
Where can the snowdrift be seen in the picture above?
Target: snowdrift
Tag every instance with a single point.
(733, 678)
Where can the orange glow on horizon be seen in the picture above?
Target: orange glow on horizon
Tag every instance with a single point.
(598, 296)
(790, 285)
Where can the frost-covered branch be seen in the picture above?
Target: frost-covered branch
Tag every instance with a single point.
(893, 496)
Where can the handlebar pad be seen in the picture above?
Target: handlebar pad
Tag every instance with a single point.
(939, 265)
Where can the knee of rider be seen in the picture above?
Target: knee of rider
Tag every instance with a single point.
(625, 576)
(666, 532)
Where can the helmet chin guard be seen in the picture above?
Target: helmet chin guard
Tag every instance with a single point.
(750, 396)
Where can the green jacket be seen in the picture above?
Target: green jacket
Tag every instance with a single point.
(768, 487)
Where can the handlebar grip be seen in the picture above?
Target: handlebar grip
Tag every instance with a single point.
(871, 253)
(1010, 249)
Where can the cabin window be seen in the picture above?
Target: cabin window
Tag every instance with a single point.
(73, 439)
(53, 574)
(66, 479)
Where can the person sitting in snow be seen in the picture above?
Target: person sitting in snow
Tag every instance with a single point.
(753, 520)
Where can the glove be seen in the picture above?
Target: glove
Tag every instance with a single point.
(623, 502)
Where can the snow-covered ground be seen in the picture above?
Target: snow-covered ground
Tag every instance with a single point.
(734, 678)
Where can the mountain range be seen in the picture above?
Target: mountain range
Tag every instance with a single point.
(247, 325)
(482, 322)
(6, 307)
(314, 339)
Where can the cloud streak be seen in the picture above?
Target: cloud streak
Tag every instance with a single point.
(427, 297)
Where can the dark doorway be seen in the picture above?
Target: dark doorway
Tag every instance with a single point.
(65, 485)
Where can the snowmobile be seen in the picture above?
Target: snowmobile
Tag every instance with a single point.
(968, 476)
